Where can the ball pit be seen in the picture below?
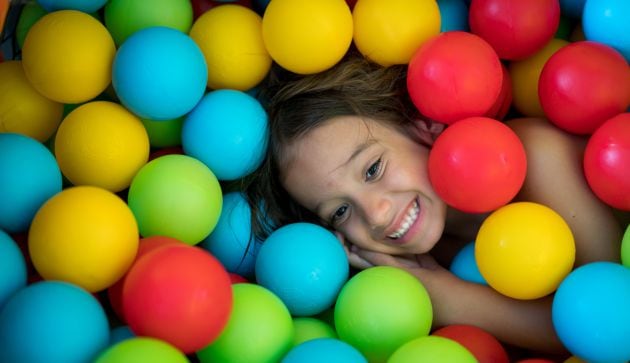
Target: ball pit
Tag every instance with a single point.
(324, 350)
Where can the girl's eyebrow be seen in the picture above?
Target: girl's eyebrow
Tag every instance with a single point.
(357, 151)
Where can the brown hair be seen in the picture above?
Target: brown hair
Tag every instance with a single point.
(297, 104)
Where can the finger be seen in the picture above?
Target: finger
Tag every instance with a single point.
(357, 261)
(379, 258)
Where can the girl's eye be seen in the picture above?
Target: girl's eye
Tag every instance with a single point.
(338, 214)
(373, 170)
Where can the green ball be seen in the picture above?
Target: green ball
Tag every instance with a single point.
(260, 329)
(31, 13)
(381, 308)
(432, 349)
(164, 133)
(307, 328)
(625, 248)
(142, 349)
(125, 17)
(176, 196)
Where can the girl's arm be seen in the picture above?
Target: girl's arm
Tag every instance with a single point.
(556, 179)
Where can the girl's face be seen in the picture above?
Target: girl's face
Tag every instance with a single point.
(370, 182)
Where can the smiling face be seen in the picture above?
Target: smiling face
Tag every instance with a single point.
(369, 181)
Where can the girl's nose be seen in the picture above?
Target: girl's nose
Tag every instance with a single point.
(377, 211)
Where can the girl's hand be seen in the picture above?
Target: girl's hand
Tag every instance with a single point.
(355, 260)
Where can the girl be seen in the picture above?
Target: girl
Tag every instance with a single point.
(349, 151)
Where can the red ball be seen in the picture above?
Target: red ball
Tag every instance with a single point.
(504, 101)
(535, 360)
(453, 76)
(180, 294)
(483, 345)
(584, 84)
(607, 162)
(237, 279)
(515, 29)
(477, 165)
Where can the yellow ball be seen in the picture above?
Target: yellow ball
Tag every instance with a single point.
(230, 37)
(84, 235)
(306, 36)
(389, 32)
(524, 250)
(101, 143)
(68, 56)
(525, 74)
(23, 110)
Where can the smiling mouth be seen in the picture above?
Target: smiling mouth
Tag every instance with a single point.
(408, 221)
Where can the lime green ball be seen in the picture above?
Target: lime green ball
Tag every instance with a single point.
(625, 248)
(260, 329)
(31, 13)
(432, 349)
(164, 133)
(381, 308)
(176, 196)
(142, 350)
(307, 328)
(125, 17)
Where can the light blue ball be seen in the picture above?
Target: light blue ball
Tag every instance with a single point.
(228, 132)
(608, 22)
(29, 176)
(572, 8)
(304, 265)
(590, 312)
(453, 15)
(52, 321)
(119, 334)
(327, 350)
(87, 6)
(159, 73)
(465, 266)
(232, 241)
(13, 273)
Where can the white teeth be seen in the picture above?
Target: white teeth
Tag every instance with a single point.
(410, 218)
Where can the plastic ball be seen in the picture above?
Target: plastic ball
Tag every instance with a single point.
(308, 328)
(142, 349)
(84, 235)
(584, 70)
(30, 176)
(515, 29)
(483, 345)
(606, 21)
(259, 319)
(86, 6)
(177, 79)
(164, 133)
(572, 8)
(180, 294)
(503, 103)
(590, 313)
(230, 37)
(524, 250)
(432, 349)
(606, 160)
(305, 36)
(24, 110)
(465, 267)
(389, 32)
(625, 248)
(381, 308)
(525, 75)
(477, 165)
(232, 241)
(30, 14)
(176, 183)
(67, 56)
(446, 86)
(102, 144)
(125, 17)
(453, 15)
(52, 321)
(228, 132)
(12, 268)
(305, 265)
(120, 333)
(324, 350)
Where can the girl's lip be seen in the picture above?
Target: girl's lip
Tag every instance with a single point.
(413, 229)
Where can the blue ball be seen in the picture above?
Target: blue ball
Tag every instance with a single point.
(228, 132)
(304, 265)
(12, 268)
(453, 15)
(52, 321)
(608, 22)
(87, 6)
(590, 312)
(119, 334)
(159, 73)
(465, 266)
(572, 8)
(29, 176)
(324, 350)
(232, 241)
